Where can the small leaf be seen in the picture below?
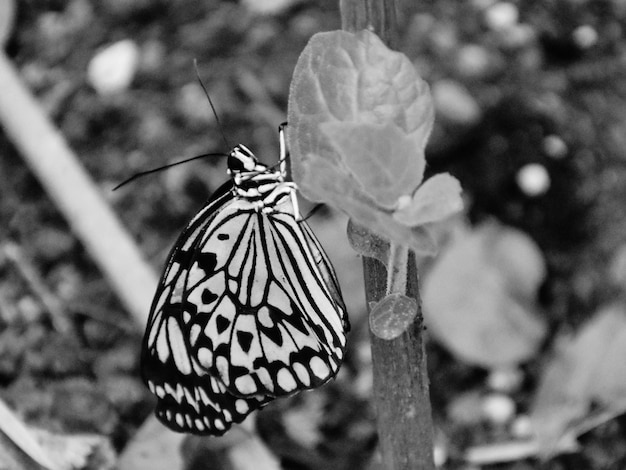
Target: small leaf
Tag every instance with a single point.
(480, 297)
(391, 316)
(367, 243)
(439, 197)
(359, 206)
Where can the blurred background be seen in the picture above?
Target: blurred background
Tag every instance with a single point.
(524, 306)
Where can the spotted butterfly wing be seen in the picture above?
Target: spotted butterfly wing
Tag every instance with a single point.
(248, 308)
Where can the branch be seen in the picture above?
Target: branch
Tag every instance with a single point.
(401, 388)
(47, 154)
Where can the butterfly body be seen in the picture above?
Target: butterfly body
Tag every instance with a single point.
(248, 308)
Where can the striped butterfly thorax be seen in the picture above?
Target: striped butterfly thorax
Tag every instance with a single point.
(248, 308)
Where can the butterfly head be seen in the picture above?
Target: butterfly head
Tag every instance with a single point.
(242, 160)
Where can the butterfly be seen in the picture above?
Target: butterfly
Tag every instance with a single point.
(248, 308)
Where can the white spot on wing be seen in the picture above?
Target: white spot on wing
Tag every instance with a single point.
(319, 368)
(205, 357)
(162, 348)
(222, 365)
(302, 373)
(180, 393)
(179, 420)
(245, 385)
(264, 317)
(204, 397)
(194, 333)
(199, 425)
(285, 380)
(178, 347)
(241, 406)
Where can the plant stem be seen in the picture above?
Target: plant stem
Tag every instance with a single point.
(401, 390)
(378, 16)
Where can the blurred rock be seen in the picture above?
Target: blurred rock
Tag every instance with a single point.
(517, 36)
(505, 379)
(498, 408)
(52, 243)
(112, 69)
(533, 179)
(443, 38)
(66, 281)
(522, 427)
(152, 56)
(501, 16)
(440, 450)
(194, 106)
(474, 61)
(454, 103)
(29, 309)
(585, 36)
(554, 147)
(268, 7)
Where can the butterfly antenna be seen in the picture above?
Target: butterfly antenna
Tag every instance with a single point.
(206, 93)
(164, 167)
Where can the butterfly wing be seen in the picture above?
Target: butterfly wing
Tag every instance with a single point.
(271, 320)
(248, 309)
(190, 399)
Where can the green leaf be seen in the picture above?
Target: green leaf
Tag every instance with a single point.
(348, 77)
(359, 120)
(438, 198)
(588, 372)
(480, 297)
